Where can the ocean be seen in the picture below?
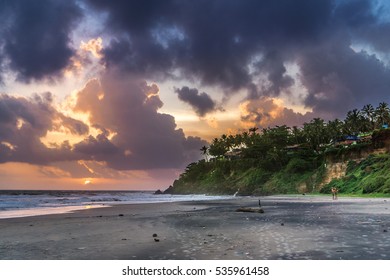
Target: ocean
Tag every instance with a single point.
(32, 203)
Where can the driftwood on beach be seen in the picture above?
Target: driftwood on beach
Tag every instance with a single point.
(252, 210)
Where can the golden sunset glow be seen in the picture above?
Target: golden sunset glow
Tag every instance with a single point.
(87, 181)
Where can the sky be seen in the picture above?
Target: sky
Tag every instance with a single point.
(105, 94)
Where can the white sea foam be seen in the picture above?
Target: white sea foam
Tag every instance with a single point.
(32, 203)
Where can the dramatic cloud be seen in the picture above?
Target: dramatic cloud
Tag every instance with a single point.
(36, 36)
(215, 46)
(200, 102)
(23, 122)
(134, 134)
(337, 78)
(230, 44)
(266, 112)
(248, 45)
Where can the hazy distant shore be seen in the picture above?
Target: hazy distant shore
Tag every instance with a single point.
(292, 227)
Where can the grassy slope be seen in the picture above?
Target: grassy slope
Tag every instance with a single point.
(370, 176)
(227, 177)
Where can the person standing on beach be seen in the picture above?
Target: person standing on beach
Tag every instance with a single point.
(334, 193)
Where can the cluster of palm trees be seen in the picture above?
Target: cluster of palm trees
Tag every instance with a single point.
(314, 134)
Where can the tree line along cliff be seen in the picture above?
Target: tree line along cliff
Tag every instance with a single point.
(350, 154)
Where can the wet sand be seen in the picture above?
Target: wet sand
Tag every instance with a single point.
(292, 227)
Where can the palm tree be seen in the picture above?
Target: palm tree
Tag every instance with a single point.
(238, 140)
(334, 129)
(217, 148)
(353, 122)
(253, 130)
(382, 114)
(315, 133)
(246, 139)
(230, 142)
(296, 135)
(369, 113)
(204, 151)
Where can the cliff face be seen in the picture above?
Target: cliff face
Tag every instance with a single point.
(336, 164)
(334, 170)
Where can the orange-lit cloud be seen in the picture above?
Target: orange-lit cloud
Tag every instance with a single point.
(84, 164)
(265, 112)
(54, 172)
(85, 59)
(94, 46)
(212, 122)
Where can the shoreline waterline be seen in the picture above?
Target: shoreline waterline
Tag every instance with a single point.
(17, 204)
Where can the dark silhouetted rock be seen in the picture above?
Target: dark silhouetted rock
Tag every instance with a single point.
(169, 190)
(158, 192)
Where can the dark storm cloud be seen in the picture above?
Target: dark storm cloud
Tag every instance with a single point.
(35, 36)
(224, 43)
(231, 43)
(23, 122)
(200, 102)
(337, 78)
(211, 40)
(273, 64)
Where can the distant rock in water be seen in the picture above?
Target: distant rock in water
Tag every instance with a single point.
(158, 192)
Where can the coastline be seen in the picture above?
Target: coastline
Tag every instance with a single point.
(292, 227)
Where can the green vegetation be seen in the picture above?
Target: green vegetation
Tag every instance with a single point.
(291, 160)
(370, 176)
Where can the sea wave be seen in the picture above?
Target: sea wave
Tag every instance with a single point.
(23, 201)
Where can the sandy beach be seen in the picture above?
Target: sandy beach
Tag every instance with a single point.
(292, 227)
